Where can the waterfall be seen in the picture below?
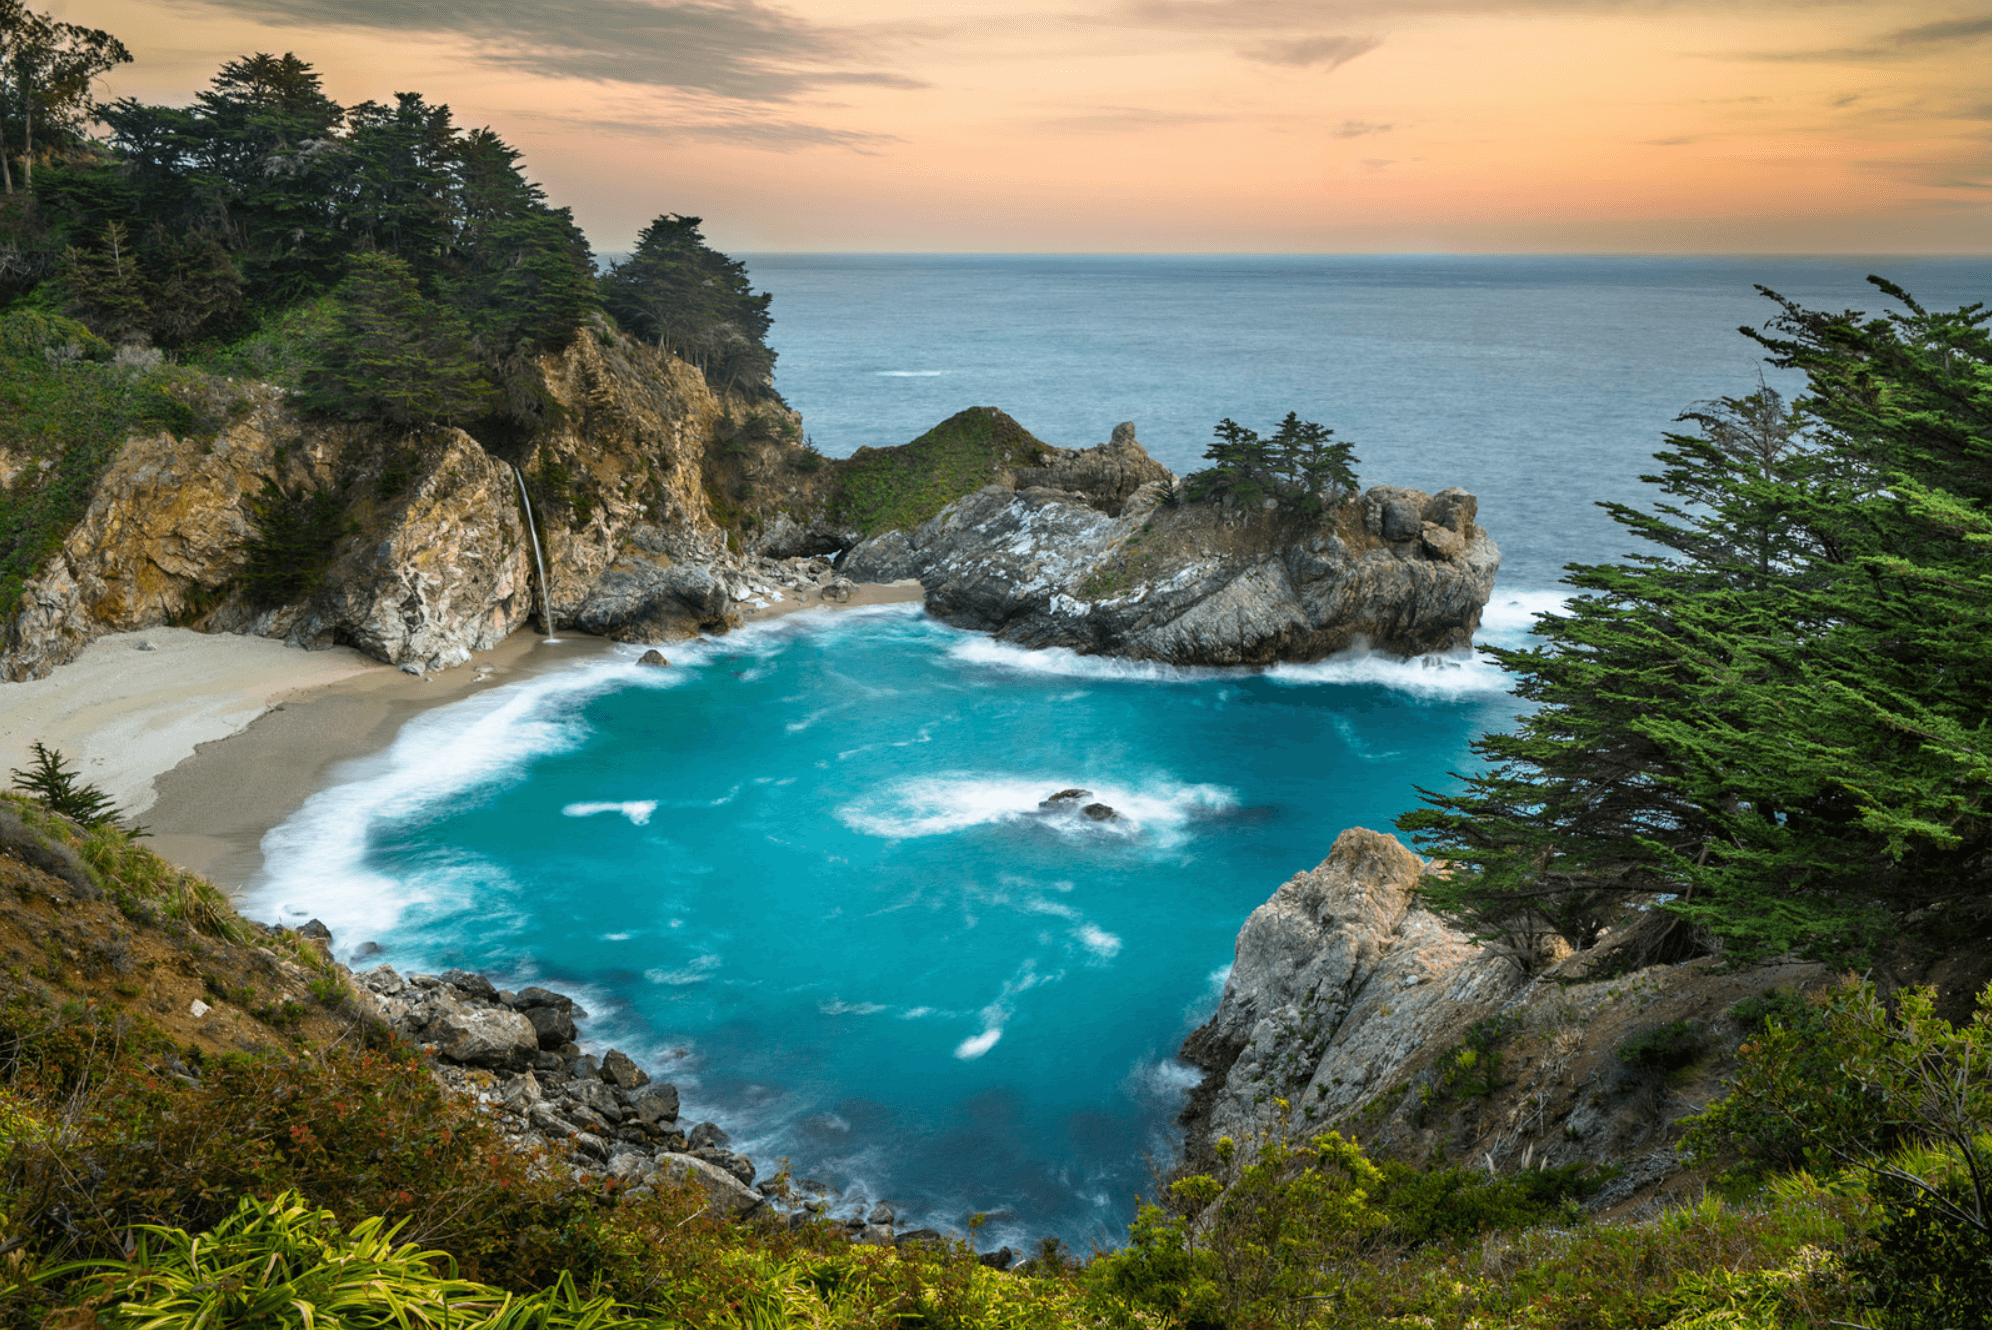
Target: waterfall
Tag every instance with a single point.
(539, 560)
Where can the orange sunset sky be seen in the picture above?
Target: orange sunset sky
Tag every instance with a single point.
(1178, 125)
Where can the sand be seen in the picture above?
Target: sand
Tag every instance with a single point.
(862, 594)
(210, 740)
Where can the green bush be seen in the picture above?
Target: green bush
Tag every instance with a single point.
(293, 535)
(1664, 1048)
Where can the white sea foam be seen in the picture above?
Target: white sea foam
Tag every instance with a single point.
(1098, 941)
(314, 862)
(638, 811)
(839, 1007)
(975, 1046)
(696, 971)
(944, 804)
(1441, 675)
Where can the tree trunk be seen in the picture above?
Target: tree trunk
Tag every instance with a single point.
(28, 138)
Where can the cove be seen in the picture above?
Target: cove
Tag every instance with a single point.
(803, 875)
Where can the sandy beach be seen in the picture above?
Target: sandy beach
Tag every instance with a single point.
(212, 739)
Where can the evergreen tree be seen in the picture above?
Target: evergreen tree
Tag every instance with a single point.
(1300, 462)
(107, 287)
(395, 355)
(695, 303)
(1781, 718)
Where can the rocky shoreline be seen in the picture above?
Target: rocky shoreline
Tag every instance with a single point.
(1098, 552)
(514, 1054)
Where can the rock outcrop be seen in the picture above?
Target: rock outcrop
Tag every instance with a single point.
(1093, 551)
(1366, 1014)
(432, 559)
(1339, 982)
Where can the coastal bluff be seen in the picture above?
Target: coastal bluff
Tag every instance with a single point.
(1095, 550)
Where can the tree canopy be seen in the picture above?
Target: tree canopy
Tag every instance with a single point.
(694, 302)
(192, 226)
(1300, 461)
(1781, 717)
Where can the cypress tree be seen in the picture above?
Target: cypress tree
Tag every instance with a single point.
(394, 355)
(1780, 719)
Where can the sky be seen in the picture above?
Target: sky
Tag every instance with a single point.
(1179, 126)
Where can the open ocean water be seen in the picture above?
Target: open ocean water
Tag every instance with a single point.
(803, 874)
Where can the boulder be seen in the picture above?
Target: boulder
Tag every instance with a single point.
(596, 1096)
(619, 1071)
(479, 1036)
(640, 599)
(1099, 812)
(471, 985)
(652, 657)
(552, 1027)
(655, 1104)
(1064, 799)
(707, 1136)
(722, 1190)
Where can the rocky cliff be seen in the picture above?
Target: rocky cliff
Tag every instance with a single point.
(1094, 551)
(1365, 1013)
(430, 559)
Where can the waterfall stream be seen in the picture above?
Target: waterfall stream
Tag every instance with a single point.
(539, 559)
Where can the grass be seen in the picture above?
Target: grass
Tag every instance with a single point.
(886, 489)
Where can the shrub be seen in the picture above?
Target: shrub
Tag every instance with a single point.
(294, 532)
(1663, 1048)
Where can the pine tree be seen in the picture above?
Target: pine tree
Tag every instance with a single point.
(107, 286)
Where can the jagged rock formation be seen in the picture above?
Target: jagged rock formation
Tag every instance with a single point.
(1356, 1007)
(1337, 984)
(1089, 550)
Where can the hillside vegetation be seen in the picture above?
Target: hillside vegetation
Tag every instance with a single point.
(383, 264)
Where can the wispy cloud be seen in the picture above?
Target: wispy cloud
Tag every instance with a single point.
(1116, 119)
(1306, 52)
(1903, 44)
(1356, 129)
(729, 48)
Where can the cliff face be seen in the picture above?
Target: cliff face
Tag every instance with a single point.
(1371, 1016)
(433, 560)
(1088, 551)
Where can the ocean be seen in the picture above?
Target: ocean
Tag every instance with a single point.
(804, 874)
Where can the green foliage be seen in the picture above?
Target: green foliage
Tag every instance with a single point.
(64, 413)
(1300, 462)
(1455, 1203)
(885, 489)
(293, 535)
(61, 789)
(1910, 1108)
(282, 1262)
(1780, 720)
(695, 303)
(1472, 1067)
(1668, 1047)
(1253, 1244)
(394, 355)
(1783, 1005)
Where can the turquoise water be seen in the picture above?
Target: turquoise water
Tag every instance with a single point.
(803, 874)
